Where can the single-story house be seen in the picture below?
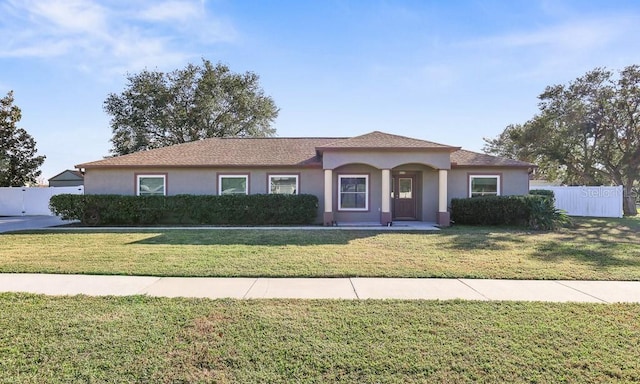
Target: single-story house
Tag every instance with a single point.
(376, 177)
(67, 178)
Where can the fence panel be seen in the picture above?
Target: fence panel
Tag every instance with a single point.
(11, 201)
(589, 201)
(16, 201)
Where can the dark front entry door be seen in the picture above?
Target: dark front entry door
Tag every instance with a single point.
(404, 197)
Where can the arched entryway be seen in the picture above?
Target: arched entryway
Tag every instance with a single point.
(388, 188)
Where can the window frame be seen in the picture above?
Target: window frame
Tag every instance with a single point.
(233, 175)
(162, 176)
(496, 176)
(366, 192)
(272, 175)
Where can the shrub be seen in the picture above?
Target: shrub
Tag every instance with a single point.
(187, 209)
(533, 211)
(542, 192)
(548, 194)
(543, 215)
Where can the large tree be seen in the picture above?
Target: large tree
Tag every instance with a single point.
(18, 161)
(158, 109)
(586, 133)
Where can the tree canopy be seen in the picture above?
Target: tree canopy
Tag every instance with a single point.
(586, 132)
(158, 109)
(18, 161)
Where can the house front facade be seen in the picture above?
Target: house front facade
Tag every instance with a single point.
(376, 177)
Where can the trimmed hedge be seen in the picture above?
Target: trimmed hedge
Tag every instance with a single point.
(187, 209)
(542, 192)
(533, 211)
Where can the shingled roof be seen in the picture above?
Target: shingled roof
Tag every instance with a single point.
(284, 152)
(224, 152)
(381, 140)
(464, 158)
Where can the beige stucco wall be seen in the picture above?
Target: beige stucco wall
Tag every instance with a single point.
(385, 159)
(514, 181)
(203, 181)
(430, 195)
(199, 181)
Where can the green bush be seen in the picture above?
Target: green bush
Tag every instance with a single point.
(533, 211)
(542, 192)
(548, 194)
(187, 209)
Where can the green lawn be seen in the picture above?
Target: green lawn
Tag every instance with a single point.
(141, 339)
(598, 249)
(144, 339)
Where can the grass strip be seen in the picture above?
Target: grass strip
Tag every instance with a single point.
(142, 339)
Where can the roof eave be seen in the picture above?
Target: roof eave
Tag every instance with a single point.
(199, 166)
(526, 166)
(388, 149)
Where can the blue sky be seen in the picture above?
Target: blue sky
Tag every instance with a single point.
(446, 71)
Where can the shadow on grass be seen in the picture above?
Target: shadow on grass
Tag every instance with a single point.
(273, 237)
(599, 256)
(595, 242)
(618, 230)
(591, 241)
(471, 238)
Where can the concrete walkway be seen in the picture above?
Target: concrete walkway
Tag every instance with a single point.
(53, 223)
(20, 223)
(325, 288)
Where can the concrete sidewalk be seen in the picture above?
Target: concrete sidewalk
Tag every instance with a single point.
(21, 223)
(325, 288)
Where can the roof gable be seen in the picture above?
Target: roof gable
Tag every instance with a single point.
(381, 140)
(66, 175)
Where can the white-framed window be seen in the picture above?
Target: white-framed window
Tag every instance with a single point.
(233, 184)
(353, 192)
(283, 184)
(149, 185)
(484, 185)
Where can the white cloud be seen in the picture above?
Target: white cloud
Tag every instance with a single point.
(45, 49)
(557, 51)
(111, 36)
(580, 35)
(172, 11)
(74, 16)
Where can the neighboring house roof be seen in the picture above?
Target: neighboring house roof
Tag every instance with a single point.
(284, 152)
(68, 174)
(464, 158)
(381, 140)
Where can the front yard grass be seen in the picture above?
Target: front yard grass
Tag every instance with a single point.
(143, 339)
(595, 249)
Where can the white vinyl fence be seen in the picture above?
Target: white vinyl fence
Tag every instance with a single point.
(25, 201)
(588, 201)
